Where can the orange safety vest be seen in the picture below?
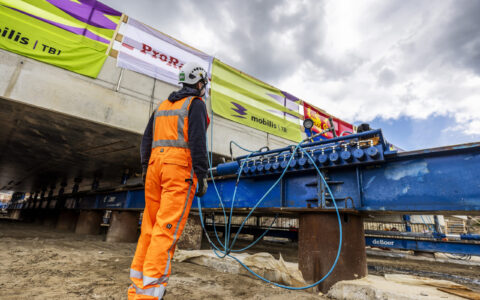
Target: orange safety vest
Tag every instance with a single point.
(170, 128)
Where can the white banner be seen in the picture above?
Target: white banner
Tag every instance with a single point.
(147, 51)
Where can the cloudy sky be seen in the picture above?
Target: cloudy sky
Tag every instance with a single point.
(411, 68)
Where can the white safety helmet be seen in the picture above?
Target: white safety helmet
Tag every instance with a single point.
(191, 73)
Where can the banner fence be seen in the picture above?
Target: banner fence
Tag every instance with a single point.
(73, 35)
(246, 100)
(150, 52)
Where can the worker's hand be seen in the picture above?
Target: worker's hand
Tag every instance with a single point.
(144, 175)
(202, 187)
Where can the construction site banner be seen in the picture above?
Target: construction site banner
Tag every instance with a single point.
(320, 121)
(73, 35)
(150, 52)
(246, 100)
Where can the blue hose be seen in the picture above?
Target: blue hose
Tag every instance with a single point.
(228, 248)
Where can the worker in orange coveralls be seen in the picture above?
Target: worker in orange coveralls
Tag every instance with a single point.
(174, 152)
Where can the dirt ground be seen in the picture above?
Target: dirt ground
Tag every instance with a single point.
(379, 264)
(462, 274)
(41, 263)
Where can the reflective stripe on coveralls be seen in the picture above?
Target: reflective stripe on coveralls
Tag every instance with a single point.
(151, 280)
(181, 113)
(175, 235)
(155, 287)
(157, 291)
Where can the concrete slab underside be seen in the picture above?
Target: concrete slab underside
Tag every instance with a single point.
(41, 148)
(56, 125)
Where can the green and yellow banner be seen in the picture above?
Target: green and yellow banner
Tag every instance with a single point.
(71, 34)
(246, 100)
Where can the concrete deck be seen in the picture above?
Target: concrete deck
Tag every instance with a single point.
(57, 125)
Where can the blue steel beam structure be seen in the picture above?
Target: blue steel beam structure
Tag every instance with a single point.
(442, 180)
(453, 247)
(364, 176)
(371, 180)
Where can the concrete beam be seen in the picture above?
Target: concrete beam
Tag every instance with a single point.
(89, 222)
(123, 227)
(67, 220)
(122, 99)
(114, 108)
(191, 238)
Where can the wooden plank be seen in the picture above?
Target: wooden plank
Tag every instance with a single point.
(119, 37)
(465, 293)
(114, 53)
(114, 37)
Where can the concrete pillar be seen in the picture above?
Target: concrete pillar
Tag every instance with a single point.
(191, 238)
(50, 218)
(318, 244)
(123, 227)
(89, 222)
(27, 215)
(67, 220)
(15, 214)
(38, 217)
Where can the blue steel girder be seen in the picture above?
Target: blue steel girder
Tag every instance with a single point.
(455, 247)
(442, 181)
(424, 182)
(439, 181)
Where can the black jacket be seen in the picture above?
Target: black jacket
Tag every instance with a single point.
(197, 128)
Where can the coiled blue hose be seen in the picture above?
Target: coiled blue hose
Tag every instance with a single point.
(227, 249)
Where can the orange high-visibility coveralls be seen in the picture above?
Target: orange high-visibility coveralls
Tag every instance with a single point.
(169, 190)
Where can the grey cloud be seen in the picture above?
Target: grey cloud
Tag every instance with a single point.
(441, 36)
(459, 44)
(252, 39)
(446, 37)
(263, 56)
(386, 77)
(151, 12)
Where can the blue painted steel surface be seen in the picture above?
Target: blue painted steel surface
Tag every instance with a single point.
(442, 180)
(440, 183)
(475, 237)
(134, 199)
(338, 140)
(87, 202)
(348, 151)
(112, 200)
(432, 180)
(424, 245)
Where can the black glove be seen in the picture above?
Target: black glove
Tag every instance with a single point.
(202, 187)
(144, 174)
